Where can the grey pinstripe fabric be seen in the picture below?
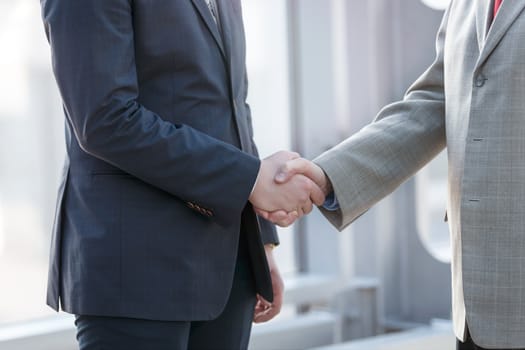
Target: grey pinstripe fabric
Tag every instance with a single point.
(471, 100)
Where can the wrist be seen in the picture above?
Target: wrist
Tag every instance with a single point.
(327, 186)
(324, 181)
(255, 182)
(268, 249)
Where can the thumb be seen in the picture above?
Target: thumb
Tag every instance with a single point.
(317, 195)
(291, 168)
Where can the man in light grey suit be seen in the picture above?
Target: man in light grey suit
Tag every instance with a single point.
(471, 100)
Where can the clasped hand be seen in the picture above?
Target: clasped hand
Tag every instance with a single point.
(287, 188)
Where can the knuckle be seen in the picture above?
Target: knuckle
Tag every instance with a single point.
(308, 185)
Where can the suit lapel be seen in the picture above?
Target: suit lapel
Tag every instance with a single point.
(224, 14)
(207, 17)
(507, 14)
(229, 51)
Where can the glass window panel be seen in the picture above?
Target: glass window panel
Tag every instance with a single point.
(269, 93)
(31, 149)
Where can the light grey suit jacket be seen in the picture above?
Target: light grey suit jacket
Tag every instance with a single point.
(472, 101)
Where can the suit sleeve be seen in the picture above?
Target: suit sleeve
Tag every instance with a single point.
(92, 46)
(404, 137)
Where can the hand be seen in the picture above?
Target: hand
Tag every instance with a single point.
(279, 217)
(307, 168)
(264, 310)
(292, 168)
(298, 194)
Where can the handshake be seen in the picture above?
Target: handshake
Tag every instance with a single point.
(287, 188)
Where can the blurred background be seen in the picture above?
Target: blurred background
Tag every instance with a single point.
(319, 70)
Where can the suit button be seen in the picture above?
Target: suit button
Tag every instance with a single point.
(480, 80)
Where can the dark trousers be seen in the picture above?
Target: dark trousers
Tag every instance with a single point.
(230, 331)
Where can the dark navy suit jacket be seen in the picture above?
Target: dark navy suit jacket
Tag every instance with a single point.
(161, 159)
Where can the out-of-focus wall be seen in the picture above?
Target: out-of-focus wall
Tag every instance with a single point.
(31, 151)
(352, 58)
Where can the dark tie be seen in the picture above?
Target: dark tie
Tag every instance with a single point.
(497, 4)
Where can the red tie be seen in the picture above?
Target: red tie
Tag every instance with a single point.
(497, 4)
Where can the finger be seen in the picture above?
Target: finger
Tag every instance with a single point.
(300, 212)
(317, 195)
(275, 308)
(271, 312)
(261, 304)
(291, 168)
(307, 207)
(278, 215)
(263, 213)
(257, 315)
(261, 308)
(294, 155)
(267, 315)
(264, 315)
(283, 219)
(286, 222)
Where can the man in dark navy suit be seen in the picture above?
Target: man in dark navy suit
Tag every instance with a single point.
(156, 244)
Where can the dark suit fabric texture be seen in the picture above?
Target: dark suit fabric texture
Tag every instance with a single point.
(160, 159)
(231, 330)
